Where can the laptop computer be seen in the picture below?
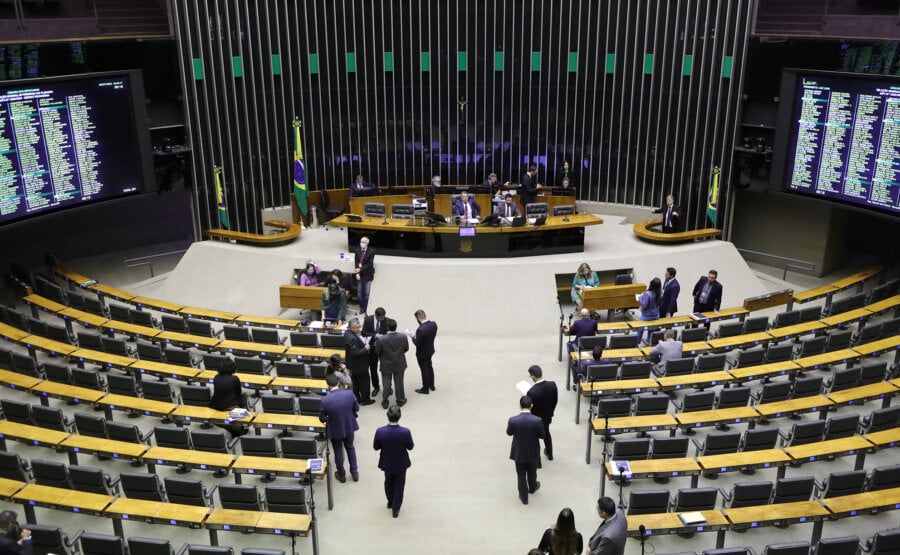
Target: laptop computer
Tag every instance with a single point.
(518, 221)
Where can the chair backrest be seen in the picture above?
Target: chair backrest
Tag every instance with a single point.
(843, 545)
(171, 436)
(374, 209)
(689, 335)
(123, 432)
(779, 352)
(90, 425)
(787, 548)
(123, 384)
(290, 369)
(50, 473)
(679, 366)
(631, 448)
(812, 346)
(115, 345)
(286, 499)
(261, 551)
(729, 551)
(52, 418)
(810, 313)
(759, 438)
(755, 324)
(142, 318)
(279, 404)
(845, 378)
(774, 391)
(803, 433)
(787, 318)
(249, 365)
(536, 209)
(648, 502)
(711, 362)
(89, 340)
(636, 369)
(139, 485)
(208, 550)
(844, 483)
(317, 370)
(588, 342)
(623, 279)
(602, 372)
(651, 403)
(49, 539)
(729, 329)
(213, 442)
(59, 373)
(101, 544)
(731, 397)
(95, 305)
(870, 332)
(174, 323)
(186, 492)
(699, 400)
(213, 361)
(309, 405)
(24, 364)
(718, 443)
(299, 448)
(623, 341)
(656, 337)
(240, 497)
(158, 390)
(806, 386)
(304, 339)
(90, 479)
(614, 406)
(259, 446)
(149, 546)
(885, 542)
(197, 326)
(333, 341)
(149, 351)
(838, 427)
(402, 210)
(838, 340)
(695, 499)
(195, 395)
(13, 467)
(795, 488)
(883, 477)
(177, 355)
(748, 494)
(870, 372)
(265, 335)
(236, 333)
(563, 209)
(16, 411)
(882, 419)
(669, 447)
(58, 333)
(90, 379)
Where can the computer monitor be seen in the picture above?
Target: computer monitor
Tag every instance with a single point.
(563, 191)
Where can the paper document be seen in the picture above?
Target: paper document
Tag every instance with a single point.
(692, 518)
(524, 386)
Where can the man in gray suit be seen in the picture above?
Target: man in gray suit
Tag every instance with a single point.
(391, 349)
(609, 539)
(666, 350)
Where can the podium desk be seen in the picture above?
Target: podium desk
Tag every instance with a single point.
(612, 297)
(300, 296)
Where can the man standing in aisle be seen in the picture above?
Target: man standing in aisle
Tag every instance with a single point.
(391, 349)
(609, 539)
(395, 442)
(364, 268)
(424, 340)
(668, 301)
(526, 430)
(338, 411)
(374, 327)
(356, 355)
(708, 293)
(544, 397)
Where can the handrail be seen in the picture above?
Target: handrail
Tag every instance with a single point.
(800, 264)
(130, 262)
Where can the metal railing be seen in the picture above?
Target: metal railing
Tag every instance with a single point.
(144, 260)
(792, 263)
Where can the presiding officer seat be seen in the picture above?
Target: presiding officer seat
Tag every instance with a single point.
(536, 209)
(374, 209)
(402, 211)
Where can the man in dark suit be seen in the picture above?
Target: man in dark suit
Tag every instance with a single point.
(526, 430)
(584, 327)
(544, 397)
(360, 187)
(395, 442)
(668, 301)
(708, 293)
(338, 411)
(13, 540)
(508, 209)
(391, 349)
(356, 357)
(671, 220)
(466, 207)
(373, 327)
(364, 268)
(424, 340)
(529, 186)
(609, 539)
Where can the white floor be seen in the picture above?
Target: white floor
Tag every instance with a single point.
(496, 318)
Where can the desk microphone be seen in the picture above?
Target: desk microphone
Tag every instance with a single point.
(621, 469)
(642, 530)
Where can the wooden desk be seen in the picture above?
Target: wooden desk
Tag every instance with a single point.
(730, 462)
(300, 296)
(269, 322)
(670, 523)
(870, 501)
(188, 413)
(826, 360)
(8, 487)
(864, 393)
(701, 418)
(750, 373)
(37, 301)
(107, 291)
(859, 278)
(74, 278)
(246, 348)
(884, 305)
(31, 435)
(814, 403)
(147, 407)
(655, 468)
(625, 424)
(157, 512)
(208, 314)
(67, 392)
(443, 204)
(299, 385)
(644, 231)
(49, 346)
(768, 300)
(796, 330)
(834, 447)
(203, 460)
(129, 329)
(611, 297)
(849, 317)
(86, 319)
(285, 524)
(292, 468)
(63, 498)
(876, 348)
(691, 348)
(233, 519)
(289, 232)
(165, 370)
(98, 445)
(288, 422)
(14, 380)
(812, 294)
(777, 513)
(188, 340)
(701, 379)
(620, 355)
(884, 438)
(739, 341)
(724, 314)
(661, 323)
(609, 328)
(156, 304)
(107, 360)
(250, 381)
(11, 333)
(312, 353)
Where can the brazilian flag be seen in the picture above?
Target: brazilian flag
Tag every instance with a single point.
(220, 198)
(712, 202)
(301, 192)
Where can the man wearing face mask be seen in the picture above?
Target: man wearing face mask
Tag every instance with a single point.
(364, 268)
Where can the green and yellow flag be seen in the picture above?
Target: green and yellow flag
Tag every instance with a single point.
(301, 192)
(220, 198)
(712, 202)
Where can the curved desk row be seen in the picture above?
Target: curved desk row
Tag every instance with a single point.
(643, 230)
(289, 232)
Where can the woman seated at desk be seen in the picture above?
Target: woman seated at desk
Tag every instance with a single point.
(334, 302)
(227, 395)
(584, 278)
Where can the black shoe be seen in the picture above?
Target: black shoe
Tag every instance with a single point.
(401, 403)
(384, 404)
(375, 391)
(342, 478)
(523, 499)
(431, 388)
(423, 391)
(549, 455)
(396, 513)
(356, 478)
(389, 505)
(537, 486)
(367, 402)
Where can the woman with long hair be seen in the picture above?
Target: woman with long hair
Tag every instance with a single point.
(649, 301)
(562, 539)
(584, 278)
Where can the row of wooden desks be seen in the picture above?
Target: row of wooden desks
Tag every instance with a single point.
(722, 520)
(857, 280)
(120, 509)
(740, 415)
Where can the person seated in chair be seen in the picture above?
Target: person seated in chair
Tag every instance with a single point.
(666, 350)
(585, 327)
(508, 210)
(334, 302)
(360, 187)
(579, 371)
(310, 275)
(466, 208)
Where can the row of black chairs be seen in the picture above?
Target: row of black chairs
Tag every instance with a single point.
(886, 542)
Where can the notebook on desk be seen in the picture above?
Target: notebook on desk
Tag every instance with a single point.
(690, 519)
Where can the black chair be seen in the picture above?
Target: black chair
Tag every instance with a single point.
(279, 404)
(89, 340)
(588, 343)
(870, 372)
(90, 425)
(332, 210)
(779, 352)
(214, 361)
(59, 373)
(656, 337)
(870, 332)
(26, 365)
(636, 369)
(95, 306)
(126, 432)
(615, 406)
(730, 329)
(289, 369)
(174, 323)
(101, 544)
(195, 395)
(299, 448)
(696, 401)
(304, 339)
(207, 550)
(236, 333)
(787, 548)
(16, 411)
(811, 346)
(747, 494)
(749, 357)
(845, 378)
(5, 359)
(880, 419)
(890, 327)
(14, 467)
(268, 336)
(807, 386)
(842, 426)
(710, 362)
(837, 340)
(92, 480)
(141, 486)
(259, 446)
(669, 448)
(732, 397)
(883, 477)
(188, 492)
(204, 328)
(695, 499)
(240, 497)
(678, 367)
(123, 384)
(601, 372)
(842, 483)
(90, 379)
(261, 551)
(631, 449)
(563, 209)
(718, 443)
(758, 439)
(628, 341)
(690, 335)
(149, 546)
(651, 403)
(286, 499)
(158, 390)
(536, 209)
(143, 318)
(251, 365)
(117, 346)
(58, 333)
(49, 539)
(810, 314)
(182, 357)
(317, 370)
(773, 392)
(886, 542)
(375, 210)
(332, 341)
(309, 405)
(793, 489)
(756, 324)
(172, 437)
(402, 211)
(149, 351)
(648, 502)
(212, 441)
(729, 551)
(843, 545)
(37, 327)
(803, 433)
(51, 418)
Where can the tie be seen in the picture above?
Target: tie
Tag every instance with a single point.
(507, 210)
(468, 211)
(668, 216)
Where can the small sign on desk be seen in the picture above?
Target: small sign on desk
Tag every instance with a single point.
(315, 465)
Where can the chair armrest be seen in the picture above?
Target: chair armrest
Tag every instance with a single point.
(726, 497)
(218, 333)
(282, 340)
(145, 438)
(699, 446)
(112, 483)
(677, 404)
(785, 437)
(183, 549)
(819, 487)
(659, 372)
(208, 494)
(250, 402)
(232, 442)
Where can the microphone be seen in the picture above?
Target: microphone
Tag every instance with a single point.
(621, 469)
(642, 530)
